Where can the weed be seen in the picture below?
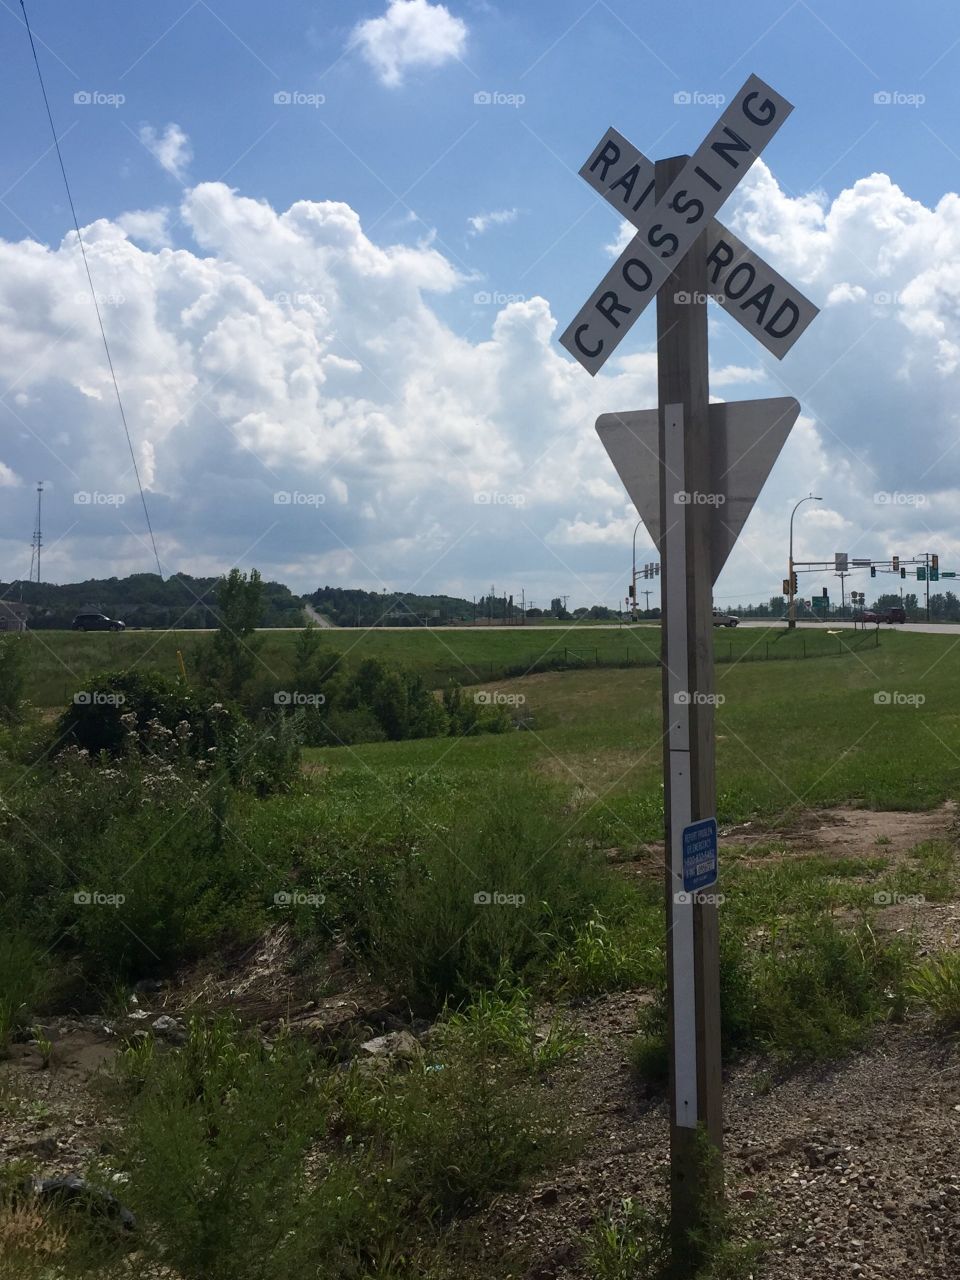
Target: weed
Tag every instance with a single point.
(605, 957)
(24, 981)
(936, 986)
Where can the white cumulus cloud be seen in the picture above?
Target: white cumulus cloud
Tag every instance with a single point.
(171, 148)
(285, 351)
(412, 33)
(481, 222)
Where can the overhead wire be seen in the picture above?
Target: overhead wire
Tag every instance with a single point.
(93, 292)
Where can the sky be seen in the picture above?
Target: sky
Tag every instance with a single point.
(334, 245)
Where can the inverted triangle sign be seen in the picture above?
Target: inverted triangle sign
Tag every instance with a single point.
(746, 437)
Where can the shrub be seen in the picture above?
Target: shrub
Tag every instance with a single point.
(13, 675)
(820, 989)
(936, 985)
(96, 722)
(453, 933)
(215, 1145)
(814, 994)
(24, 980)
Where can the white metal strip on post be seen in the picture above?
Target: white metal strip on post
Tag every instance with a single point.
(681, 911)
(674, 534)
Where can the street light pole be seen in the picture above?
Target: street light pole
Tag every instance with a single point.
(792, 609)
(633, 580)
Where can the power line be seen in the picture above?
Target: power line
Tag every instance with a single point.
(93, 292)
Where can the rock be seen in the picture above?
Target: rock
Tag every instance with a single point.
(395, 1044)
(169, 1028)
(75, 1193)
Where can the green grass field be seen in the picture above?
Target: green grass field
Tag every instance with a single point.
(790, 736)
(60, 661)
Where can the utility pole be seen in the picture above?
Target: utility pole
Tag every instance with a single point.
(646, 593)
(38, 536)
(842, 575)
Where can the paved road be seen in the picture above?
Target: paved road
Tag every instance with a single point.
(315, 617)
(927, 628)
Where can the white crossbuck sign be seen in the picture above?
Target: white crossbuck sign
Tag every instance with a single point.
(744, 285)
(740, 447)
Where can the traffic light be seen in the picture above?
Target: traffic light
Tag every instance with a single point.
(825, 593)
(934, 562)
(903, 573)
(794, 584)
(786, 586)
(632, 591)
(896, 564)
(873, 571)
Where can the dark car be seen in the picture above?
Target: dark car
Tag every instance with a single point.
(95, 622)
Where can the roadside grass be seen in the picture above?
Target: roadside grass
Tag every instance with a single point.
(597, 733)
(60, 661)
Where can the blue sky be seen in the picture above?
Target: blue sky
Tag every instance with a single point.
(490, 190)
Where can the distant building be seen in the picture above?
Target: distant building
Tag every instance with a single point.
(13, 617)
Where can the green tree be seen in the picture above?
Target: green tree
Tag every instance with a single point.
(230, 660)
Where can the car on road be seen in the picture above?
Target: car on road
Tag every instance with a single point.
(891, 615)
(96, 622)
(721, 619)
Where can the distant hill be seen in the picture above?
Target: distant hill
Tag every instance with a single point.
(144, 600)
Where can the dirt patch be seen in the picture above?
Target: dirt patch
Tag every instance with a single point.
(846, 832)
(844, 1171)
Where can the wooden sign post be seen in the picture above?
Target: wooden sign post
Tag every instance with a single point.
(693, 471)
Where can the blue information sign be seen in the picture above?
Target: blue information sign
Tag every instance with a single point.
(699, 854)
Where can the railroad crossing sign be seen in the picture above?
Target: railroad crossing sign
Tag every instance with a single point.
(744, 285)
(693, 471)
